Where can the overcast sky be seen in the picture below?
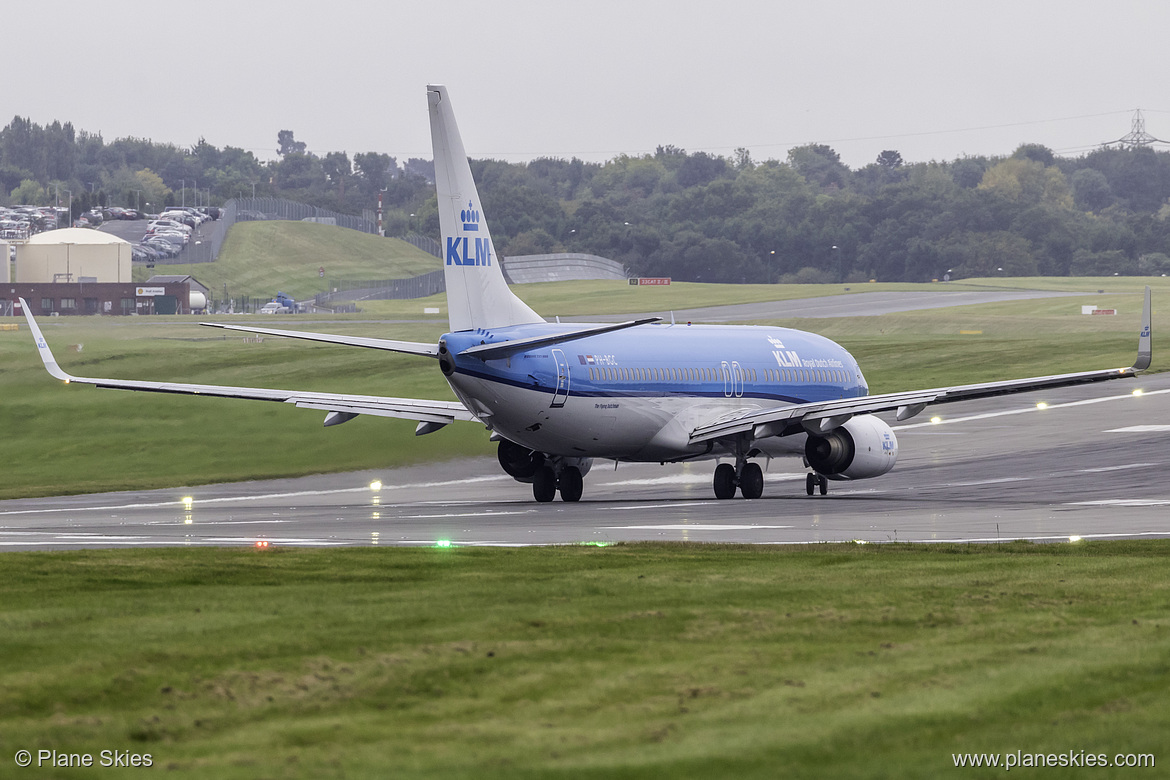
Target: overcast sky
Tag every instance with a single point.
(933, 80)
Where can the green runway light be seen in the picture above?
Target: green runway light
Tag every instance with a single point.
(443, 543)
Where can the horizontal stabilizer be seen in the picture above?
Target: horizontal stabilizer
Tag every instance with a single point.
(408, 347)
(504, 348)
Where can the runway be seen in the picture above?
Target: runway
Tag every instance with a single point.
(857, 304)
(1094, 464)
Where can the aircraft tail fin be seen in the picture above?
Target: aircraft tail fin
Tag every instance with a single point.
(477, 293)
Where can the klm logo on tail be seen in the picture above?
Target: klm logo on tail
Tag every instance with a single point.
(470, 217)
(462, 250)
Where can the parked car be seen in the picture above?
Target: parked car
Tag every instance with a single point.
(178, 239)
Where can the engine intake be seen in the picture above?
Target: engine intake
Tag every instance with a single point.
(863, 447)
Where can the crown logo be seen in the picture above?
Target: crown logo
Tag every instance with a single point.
(470, 217)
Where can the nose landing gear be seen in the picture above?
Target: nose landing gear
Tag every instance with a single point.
(814, 482)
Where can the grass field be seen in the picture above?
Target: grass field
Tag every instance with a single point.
(629, 661)
(81, 439)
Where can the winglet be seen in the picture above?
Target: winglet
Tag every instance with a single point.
(1145, 349)
(42, 347)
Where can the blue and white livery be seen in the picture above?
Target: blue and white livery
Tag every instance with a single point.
(557, 397)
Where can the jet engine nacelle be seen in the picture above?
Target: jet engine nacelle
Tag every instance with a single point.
(863, 447)
(518, 461)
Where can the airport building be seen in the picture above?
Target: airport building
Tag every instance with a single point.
(73, 255)
(81, 271)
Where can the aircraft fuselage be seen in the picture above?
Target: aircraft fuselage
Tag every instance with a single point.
(638, 398)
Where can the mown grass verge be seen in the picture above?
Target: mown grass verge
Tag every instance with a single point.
(637, 660)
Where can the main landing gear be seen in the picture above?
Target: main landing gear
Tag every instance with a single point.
(548, 474)
(546, 483)
(745, 475)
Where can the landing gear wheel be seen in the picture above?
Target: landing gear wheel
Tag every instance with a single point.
(751, 481)
(823, 484)
(571, 484)
(810, 483)
(544, 484)
(724, 481)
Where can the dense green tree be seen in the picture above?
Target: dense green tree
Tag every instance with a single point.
(287, 144)
(1091, 190)
(819, 164)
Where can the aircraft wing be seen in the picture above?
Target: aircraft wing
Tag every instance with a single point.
(430, 414)
(824, 416)
(409, 347)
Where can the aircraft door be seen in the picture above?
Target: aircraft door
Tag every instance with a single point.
(732, 379)
(561, 394)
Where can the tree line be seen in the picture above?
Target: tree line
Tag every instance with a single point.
(691, 216)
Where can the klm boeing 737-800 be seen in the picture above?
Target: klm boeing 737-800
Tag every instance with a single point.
(557, 397)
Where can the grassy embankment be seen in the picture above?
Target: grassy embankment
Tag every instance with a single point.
(68, 440)
(259, 258)
(630, 661)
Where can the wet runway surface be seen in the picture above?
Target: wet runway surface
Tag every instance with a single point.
(1095, 463)
(856, 304)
